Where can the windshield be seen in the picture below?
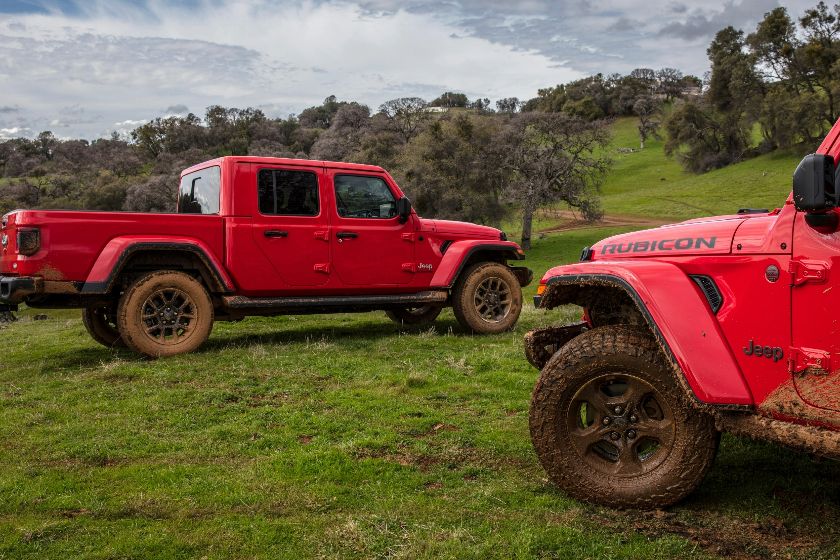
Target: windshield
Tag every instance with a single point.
(199, 192)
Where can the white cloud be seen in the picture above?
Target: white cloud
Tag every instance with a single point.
(124, 64)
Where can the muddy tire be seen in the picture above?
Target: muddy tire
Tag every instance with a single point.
(415, 316)
(164, 314)
(487, 298)
(611, 426)
(101, 325)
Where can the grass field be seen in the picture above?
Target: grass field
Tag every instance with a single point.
(343, 437)
(647, 183)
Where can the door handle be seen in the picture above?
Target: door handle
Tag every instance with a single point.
(347, 235)
(275, 233)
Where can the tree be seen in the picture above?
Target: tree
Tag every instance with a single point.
(508, 105)
(669, 83)
(155, 194)
(345, 133)
(647, 108)
(452, 169)
(407, 114)
(700, 140)
(450, 99)
(320, 116)
(555, 157)
(482, 105)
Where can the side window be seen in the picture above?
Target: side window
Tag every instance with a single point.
(199, 192)
(288, 193)
(364, 197)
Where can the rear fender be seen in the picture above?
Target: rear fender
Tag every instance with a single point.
(461, 254)
(117, 252)
(677, 314)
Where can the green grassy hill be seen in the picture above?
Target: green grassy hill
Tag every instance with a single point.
(647, 183)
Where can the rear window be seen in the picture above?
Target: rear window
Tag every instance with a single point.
(288, 193)
(199, 191)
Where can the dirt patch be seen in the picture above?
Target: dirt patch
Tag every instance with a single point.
(732, 538)
(441, 427)
(819, 388)
(571, 221)
(7, 317)
(786, 401)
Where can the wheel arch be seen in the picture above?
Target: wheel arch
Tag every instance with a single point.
(122, 257)
(460, 255)
(665, 300)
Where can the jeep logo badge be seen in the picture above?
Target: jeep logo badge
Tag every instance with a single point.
(772, 273)
(759, 351)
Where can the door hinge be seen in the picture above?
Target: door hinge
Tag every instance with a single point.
(321, 234)
(409, 267)
(408, 237)
(808, 271)
(322, 267)
(808, 360)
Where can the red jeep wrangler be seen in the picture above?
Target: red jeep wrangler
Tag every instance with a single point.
(720, 324)
(259, 236)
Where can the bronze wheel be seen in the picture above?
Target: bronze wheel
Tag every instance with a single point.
(620, 425)
(487, 298)
(611, 425)
(165, 313)
(101, 324)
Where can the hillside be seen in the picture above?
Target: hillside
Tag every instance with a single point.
(647, 183)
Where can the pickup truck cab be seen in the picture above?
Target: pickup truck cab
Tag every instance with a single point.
(259, 236)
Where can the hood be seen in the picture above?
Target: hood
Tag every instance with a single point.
(707, 236)
(462, 230)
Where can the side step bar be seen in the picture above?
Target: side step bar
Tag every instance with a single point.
(811, 439)
(331, 304)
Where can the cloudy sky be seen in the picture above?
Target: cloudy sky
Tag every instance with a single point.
(84, 68)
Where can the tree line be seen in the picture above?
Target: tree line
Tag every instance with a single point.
(777, 87)
(456, 158)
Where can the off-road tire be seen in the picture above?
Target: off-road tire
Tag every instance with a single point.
(186, 324)
(467, 292)
(101, 325)
(416, 316)
(586, 367)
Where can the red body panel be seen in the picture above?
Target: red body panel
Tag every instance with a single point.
(72, 242)
(774, 341)
(694, 337)
(309, 258)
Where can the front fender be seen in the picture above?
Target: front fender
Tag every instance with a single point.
(109, 262)
(677, 314)
(458, 254)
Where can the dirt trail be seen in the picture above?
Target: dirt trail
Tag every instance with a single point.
(571, 221)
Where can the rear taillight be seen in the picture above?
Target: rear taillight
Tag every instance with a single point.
(28, 241)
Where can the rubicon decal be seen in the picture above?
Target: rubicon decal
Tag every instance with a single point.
(681, 244)
(760, 351)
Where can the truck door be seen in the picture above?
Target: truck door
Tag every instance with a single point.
(291, 227)
(370, 245)
(815, 355)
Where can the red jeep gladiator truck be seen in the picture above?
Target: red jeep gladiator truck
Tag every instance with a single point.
(722, 324)
(259, 236)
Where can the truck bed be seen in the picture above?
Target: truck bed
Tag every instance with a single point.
(71, 241)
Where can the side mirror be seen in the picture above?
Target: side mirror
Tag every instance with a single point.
(813, 184)
(403, 209)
